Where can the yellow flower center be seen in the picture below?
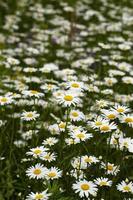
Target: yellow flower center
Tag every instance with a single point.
(37, 151)
(47, 156)
(37, 171)
(30, 70)
(34, 92)
(49, 86)
(88, 160)
(52, 174)
(115, 141)
(109, 82)
(85, 186)
(75, 85)
(75, 114)
(29, 115)
(104, 128)
(68, 98)
(110, 167)
(111, 116)
(62, 125)
(4, 100)
(58, 93)
(127, 188)
(39, 196)
(80, 135)
(103, 183)
(125, 144)
(129, 120)
(120, 110)
(98, 123)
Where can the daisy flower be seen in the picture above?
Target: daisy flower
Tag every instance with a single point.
(38, 195)
(75, 85)
(70, 141)
(107, 127)
(36, 152)
(109, 114)
(75, 128)
(89, 159)
(48, 87)
(28, 116)
(125, 187)
(4, 100)
(124, 66)
(110, 81)
(127, 80)
(79, 136)
(76, 115)
(103, 182)
(29, 69)
(49, 67)
(47, 156)
(62, 126)
(97, 122)
(101, 103)
(38, 171)
(128, 119)
(68, 99)
(85, 188)
(126, 143)
(121, 109)
(110, 168)
(53, 173)
(32, 93)
(13, 61)
(50, 141)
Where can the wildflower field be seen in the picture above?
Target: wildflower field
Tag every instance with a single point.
(66, 100)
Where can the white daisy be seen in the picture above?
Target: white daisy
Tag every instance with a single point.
(62, 126)
(128, 119)
(36, 152)
(53, 173)
(38, 196)
(85, 188)
(88, 160)
(97, 122)
(103, 182)
(79, 136)
(28, 116)
(32, 93)
(125, 187)
(109, 114)
(110, 81)
(50, 141)
(110, 168)
(75, 85)
(126, 143)
(68, 99)
(5, 100)
(38, 171)
(76, 115)
(121, 109)
(47, 156)
(107, 127)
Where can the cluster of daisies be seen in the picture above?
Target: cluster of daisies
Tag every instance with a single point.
(66, 93)
(107, 122)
